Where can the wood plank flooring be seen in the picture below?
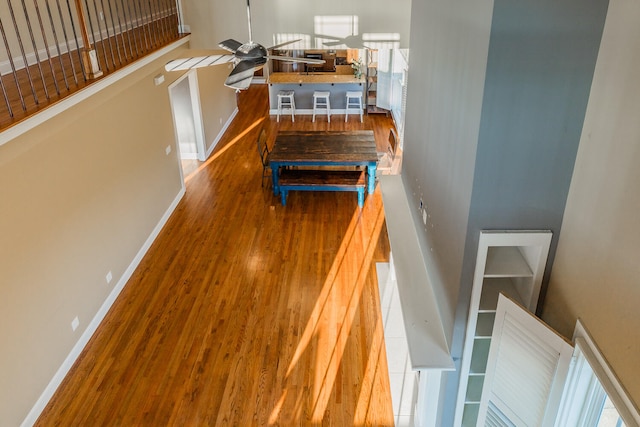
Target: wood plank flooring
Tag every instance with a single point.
(245, 312)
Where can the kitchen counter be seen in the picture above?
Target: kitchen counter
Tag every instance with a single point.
(304, 85)
(313, 78)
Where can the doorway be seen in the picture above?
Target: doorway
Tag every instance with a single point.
(187, 120)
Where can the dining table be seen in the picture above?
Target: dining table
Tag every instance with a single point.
(324, 148)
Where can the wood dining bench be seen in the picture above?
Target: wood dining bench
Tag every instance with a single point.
(322, 180)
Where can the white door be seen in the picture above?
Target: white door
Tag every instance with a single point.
(526, 370)
(531, 369)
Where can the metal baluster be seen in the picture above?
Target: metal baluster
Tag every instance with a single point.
(66, 42)
(159, 26)
(132, 33)
(104, 47)
(178, 15)
(24, 57)
(13, 70)
(154, 21)
(147, 43)
(75, 36)
(93, 37)
(55, 38)
(147, 23)
(106, 27)
(35, 48)
(124, 44)
(6, 98)
(115, 35)
(149, 15)
(144, 46)
(46, 48)
(162, 6)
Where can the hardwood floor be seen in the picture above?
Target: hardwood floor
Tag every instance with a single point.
(245, 312)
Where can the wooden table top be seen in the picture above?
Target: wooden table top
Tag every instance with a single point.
(324, 146)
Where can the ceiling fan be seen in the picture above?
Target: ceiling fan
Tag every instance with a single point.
(247, 58)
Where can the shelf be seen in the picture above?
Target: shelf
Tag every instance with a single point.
(479, 356)
(470, 415)
(492, 288)
(506, 261)
(484, 326)
(510, 262)
(474, 389)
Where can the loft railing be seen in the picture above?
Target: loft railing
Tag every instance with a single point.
(52, 48)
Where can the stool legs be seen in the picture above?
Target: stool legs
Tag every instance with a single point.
(321, 102)
(286, 101)
(354, 100)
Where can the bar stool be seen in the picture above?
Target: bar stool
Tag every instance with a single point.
(286, 102)
(354, 101)
(321, 102)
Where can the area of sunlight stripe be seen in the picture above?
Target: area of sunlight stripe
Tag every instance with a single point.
(223, 149)
(349, 271)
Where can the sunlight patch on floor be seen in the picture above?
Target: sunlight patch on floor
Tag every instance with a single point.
(328, 328)
(225, 148)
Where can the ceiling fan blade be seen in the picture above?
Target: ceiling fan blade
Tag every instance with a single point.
(324, 36)
(197, 62)
(336, 43)
(241, 76)
(292, 59)
(230, 44)
(283, 44)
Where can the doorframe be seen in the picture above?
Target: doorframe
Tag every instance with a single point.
(198, 123)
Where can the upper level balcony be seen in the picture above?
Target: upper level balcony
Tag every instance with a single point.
(53, 48)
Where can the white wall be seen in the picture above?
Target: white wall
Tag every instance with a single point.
(444, 102)
(596, 274)
(217, 20)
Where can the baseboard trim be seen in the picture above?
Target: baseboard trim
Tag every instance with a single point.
(63, 370)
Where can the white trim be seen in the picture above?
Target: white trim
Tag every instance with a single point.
(18, 62)
(198, 122)
(221, 133)
(81, 95)
(59, 376)
(607, 377)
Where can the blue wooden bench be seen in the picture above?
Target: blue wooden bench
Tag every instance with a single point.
(322, 180)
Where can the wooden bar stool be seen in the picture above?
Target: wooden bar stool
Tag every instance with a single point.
(354, 103)
(286, 102)
(320, 103)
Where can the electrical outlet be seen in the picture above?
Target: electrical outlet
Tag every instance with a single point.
(167, 150)
(109, 277)
(75, 323)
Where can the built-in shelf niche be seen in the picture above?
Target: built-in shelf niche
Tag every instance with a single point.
(508, 262)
